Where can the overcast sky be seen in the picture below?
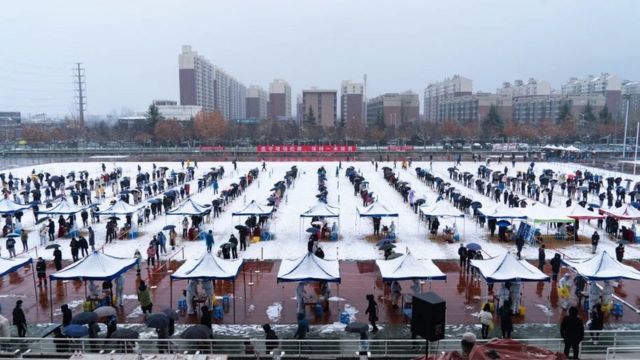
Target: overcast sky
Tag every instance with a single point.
(130, 48)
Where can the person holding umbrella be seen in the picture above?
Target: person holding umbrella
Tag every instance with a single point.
(41, 270)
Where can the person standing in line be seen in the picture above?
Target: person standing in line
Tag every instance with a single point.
(19, 319)
(555, 266)
(92, 239)
(151, 255)
(506, 322)
(620, 252)
(24, 238)
(597, 322)
(541, 257)
(52, 230)
(66, 315)
(84, 246)
(74, 249)
(185, 227)
(144, 297)
(41, 270)
(372, 310)
(462, 253)
(486, 320)
(43, 234)
(572, 331)
(57, 258)
(271, 337)
(209, 240)
(595, 239)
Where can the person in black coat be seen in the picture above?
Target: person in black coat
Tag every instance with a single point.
(572, 331)
(57, 259)
(555, 266)
(41, 270)
(372, 310)
(206, 316)
(271, 337)
(19, 320)
(84, 246)
(597, 322)
(519, 246)
(75, 247)
(506, 323)
(66, 315)
(462, 253)
(595, 239)
(541, 257)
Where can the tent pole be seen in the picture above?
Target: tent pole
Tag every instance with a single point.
(50, 299)
(244, 285)
(85, 289)
(170, 292)
(33, 274)
(234, 301)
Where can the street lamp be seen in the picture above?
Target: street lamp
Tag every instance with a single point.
(626, 120)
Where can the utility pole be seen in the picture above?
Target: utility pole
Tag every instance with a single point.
(626, 120)
(79, 81)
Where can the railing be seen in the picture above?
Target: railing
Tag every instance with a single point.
(613, 344)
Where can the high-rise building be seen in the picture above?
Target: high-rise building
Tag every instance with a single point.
(10, 126)
(533, 109)
(472, 108)
(206, 85)
(608, 85)
(393, 109)
(320, 106)
(631, 90)
(442, 90)
(256, 102)
(520, 88)
(279, 104)
(351, 102)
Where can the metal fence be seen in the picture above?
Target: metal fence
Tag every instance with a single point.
(609, 344)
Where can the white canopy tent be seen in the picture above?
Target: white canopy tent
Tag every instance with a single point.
(209, 268)
(498, 212)
(120, 208)
(309, 267)
(189, 207)
(626, 212)
(377, 210)
(407, 267)
(63, 207)
(507, 267)
(541, 213)
(602, 266)
(8, 266)
(96, 266)
(580, 213)
(320, 210)
(253, 208)
(10, 207)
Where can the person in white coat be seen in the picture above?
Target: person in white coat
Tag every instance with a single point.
(594, 293)
(5, 327)
(192, 291)
(504, 294)
(120, 289)
(565, 282)
(207, 287)
(515, 297)
(300, 296)
(44, 230)
(607, 292)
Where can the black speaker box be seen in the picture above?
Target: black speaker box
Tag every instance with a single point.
(428, 316)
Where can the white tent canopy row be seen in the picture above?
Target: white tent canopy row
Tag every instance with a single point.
(603, 267)
(507, 267)
(407, 267)
(208, 267)
(120, 208)
(440, 209)
(309, 267)
(96, 266)
(626, 212)
(580, 213)
(189, 207)
(498, 212)
(253, 208)
(322, 210)
(541, 213)
(63, 207)
(10, 207)
(376, 210)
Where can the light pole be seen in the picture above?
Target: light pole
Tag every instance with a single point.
(635, 156)
(626, 120)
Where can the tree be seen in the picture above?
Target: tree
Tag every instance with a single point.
(564, 113)
(605, 116)
(451, 129)
(492, 124)
(209, 126)
(355, 129)
(153, 116)
(588, 114)
(168, 132)
(309, 117)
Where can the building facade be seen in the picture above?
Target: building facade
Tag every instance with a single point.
(170, 110)
(473, 108)
(437, 92)
(351, 102)
(320, 107)
(520, 88)
(206, 85)
(10, 126)
(534, 109)
(610, 86)
(631, 91)
(279, 103)
(256, 102)
(393, 109)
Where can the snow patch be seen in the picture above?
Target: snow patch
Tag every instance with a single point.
(135, 313)
(352, 311)
(335, 298)
(274, 312)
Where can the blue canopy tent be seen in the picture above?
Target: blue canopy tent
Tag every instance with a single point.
(210, 268)
(8, 207)
(377, 210)
(97, 266)
(8, 266)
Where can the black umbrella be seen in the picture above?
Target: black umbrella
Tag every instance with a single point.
(169, 227)
(200, 332)
(52, 246)
(85, 318)
(357, 327)
(171, 314)
(114, 218)
(386, 246)
(394, 256)
(157, 321)
(241, 227)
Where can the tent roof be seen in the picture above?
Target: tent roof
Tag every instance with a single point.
(309, 268)
(626, 212)
(254, 209)
(497, 212)
(580, 213)
(119, 208)
(376, 210)
(407, 267)
(96, 266)
(63, 207)
(9, 207)
(189, 207)
(8, 266)
(603, 267)
(572, 148)
(541, 213)
(322, 210)
(507, 267)
(440, 208)
(208, 267)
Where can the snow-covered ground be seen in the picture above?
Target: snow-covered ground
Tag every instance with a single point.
(290, 238)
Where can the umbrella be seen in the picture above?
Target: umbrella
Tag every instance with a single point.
(241, 227)
(41, 220)
(114, 218)
(85, 317)
(171, 314)
(169, 227)
(384, 241)
(473, 246)
(76, 330)
(319, 223)
(52, 246)
(199, 331)
(228, 244)
(394, 256)
(103, 311)
(125, 334)
(157, 321)
(357, 327)
(503, 223)
(476, 205)
(386, 246)
(312, 230)
(155, 201)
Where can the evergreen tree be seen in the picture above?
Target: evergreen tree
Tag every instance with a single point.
(605, 116)
(153, 116)
(492, 124)
(309, 117)
(588, 114)
(564, 113)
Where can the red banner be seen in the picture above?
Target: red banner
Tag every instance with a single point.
(211, 148)
(306, 148)
(400, 148)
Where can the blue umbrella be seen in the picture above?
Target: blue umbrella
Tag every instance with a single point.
(383, 242)
(75, 330)
(312, 230)
(473, 246)
(155, 201)
(169, 227)
(503, 223)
